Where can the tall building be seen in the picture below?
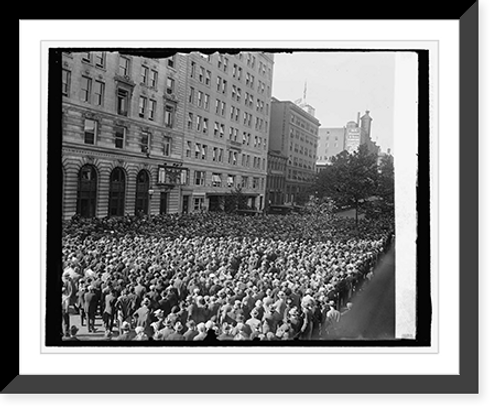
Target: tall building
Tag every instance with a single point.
(122, 132)
(226, 137)
(294, 135)
(276, 176)
(162, 135)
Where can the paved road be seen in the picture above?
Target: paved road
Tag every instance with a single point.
(373, 315)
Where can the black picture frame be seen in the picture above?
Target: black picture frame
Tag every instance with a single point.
(465, 382)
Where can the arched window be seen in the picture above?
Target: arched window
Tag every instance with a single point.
(117, 192)
(86, 191)
(142, 193)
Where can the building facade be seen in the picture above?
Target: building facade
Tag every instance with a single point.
(294, 135)
(227, 128)
(157, 136)
(333, 141)
(122, 134)
(276, 176)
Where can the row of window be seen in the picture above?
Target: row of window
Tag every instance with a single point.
(92, 92)
(223, 62)
(246, 182)
(305, 125)
(301, 150)
(296, 134)
(201, 152)
(98, 59)
(201, 124)
(90, 134)
(298, 162)
(204, 76)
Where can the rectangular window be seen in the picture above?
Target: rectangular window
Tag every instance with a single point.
(185, 176)
(198, 123)
(190, 121)
(188, 149)
(191, 95)
(99, 93)
(200, 98)
(86, 57)
(123, 67)
(208, 78)
(122, 102)
(152, 109)
(86, 89)
(224, 86)
(223, 108)
(145, 142)
(230, 180)
(197, 151)
(199, 178)
(244, 182)
(153, 79)
(142, 106)
(193, 69)
(201, 75)
(144, 74)
(216, 128)
(198, 204)
(217, 106)
(99, 59)
(216, 180)
(66, 81)
(207, 102)
(171, 62)
(215, 154)
(205, 125)
(89, 131)
(169, 116)
(222, 130)
(120, 133)
(167, 146)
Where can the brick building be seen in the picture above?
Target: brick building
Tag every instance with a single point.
(276, 176)
(294, 135)
(227, 121)
(162, 135)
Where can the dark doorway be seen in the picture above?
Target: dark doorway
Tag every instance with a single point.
(86, 191)
(142, 193)
(185, 204)
(163, 203)
(117, 193)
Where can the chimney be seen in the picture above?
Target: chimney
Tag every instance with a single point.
(358, 119)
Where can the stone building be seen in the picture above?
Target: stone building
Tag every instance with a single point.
(156, 136)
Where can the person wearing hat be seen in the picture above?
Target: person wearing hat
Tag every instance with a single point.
(191, 332)
(90, 307)
(140, 334)
(176, 335)
(109, 314)
(72, 333)
(126, 332)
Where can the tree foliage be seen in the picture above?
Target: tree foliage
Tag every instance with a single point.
(355, 180)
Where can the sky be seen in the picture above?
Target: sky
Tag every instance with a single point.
(339, 85)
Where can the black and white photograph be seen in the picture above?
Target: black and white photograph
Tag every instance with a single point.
(237, 197)
(248, 207)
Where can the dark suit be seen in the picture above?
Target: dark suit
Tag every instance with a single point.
(90, 307)
(109, 311)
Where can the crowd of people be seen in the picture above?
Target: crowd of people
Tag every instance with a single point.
(217, 276)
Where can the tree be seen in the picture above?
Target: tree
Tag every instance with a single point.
(350, 180)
